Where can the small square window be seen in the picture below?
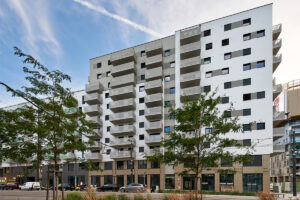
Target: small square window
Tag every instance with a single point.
(246, 127)
(227, 85)
(108, 129)
(108, 151)
(106, 95)
(141, 125)
(227, 56)
(225, 42)
(260, 33)
(246, 51)
(172, 64)
(141, 149)
(247, 142)
(208, 74)
(207, 60)
(227, 27)
(167, 78)
(225, 71)
(246, 112)
(247, 37)
(143, 65)
(141, 112)
(141, 88)
(141, 100)
(167, 103)
(109, 62)
(260, 95)
(247, 81)
(260, 64)
(167, 129)
(141, 137)
(172, 90)
(208, 130)
(107, 140)
(246, 97)
(208, 46)
(99, 65)
(99, 76)
(106, 117)
(246, 66)
(247, 22)
(206, 88)
(107, 73)
(224, 100)
(107, 106)
(143, 53)
(206, 33)
(142, 77)
(260, 126)
(167, 53)
(227, 113)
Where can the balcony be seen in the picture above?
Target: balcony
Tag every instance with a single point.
(150, 152)
(155, 73)
(121, 154)
(122, 93)
(190, 79)
(67, 156)
(154, 113)
(97, 135)
(278, 118)
(122, 142)
(276, 31)
(92, 110)
(122, 105)
(152, 87)
(278, 132)
(276, 46)
(93, 156)
(276, 61)
(190, 35)
(278, 148)
(152, 139)
(95, 120)
(123, 117)
(93, 98)
(153, 100)
(121, 70)
(190, 50)
(93, 87)
(122, 81)
(95, 146)
(190, 93)
(190, 65)
(123, 130)
(122, 57)
(154, 127)
(154, 61)
(277, 89)
(153, 48)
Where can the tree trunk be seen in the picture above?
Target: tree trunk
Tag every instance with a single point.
(56, 191)
(201, 192)
(48, 177)
(53, 180)
(62, 186)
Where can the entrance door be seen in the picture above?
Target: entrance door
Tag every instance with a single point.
(208, 182)
(252, 182)
(188, 182)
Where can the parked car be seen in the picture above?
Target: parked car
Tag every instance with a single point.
(108, 187)
(133, 187)
(2, 186)
(66, 187)
(80, 187)
(31, 186)
(11, 186)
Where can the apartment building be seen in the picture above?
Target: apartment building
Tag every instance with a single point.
(287, 101)
(129, 93)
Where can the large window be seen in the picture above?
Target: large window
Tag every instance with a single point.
(120, 180)
(142, 164)
(170, 181)
(155, 165)
(208, 182)
(130, 165)
(154, 180)
(142, 179)
(108, 179)
(120, 165)
(95, 181)
(108, 165)
(188, 182)
(256, 160)
(226, 162)
(252, 182)
(130, 179)
(226, 180)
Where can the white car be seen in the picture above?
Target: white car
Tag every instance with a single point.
(30, 186)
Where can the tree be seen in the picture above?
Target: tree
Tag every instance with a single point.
(198, 140)
(53, 128)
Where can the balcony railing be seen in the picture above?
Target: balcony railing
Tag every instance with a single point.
(154, 113)
(122, 81)
(154, 73)
(190, 64)
(93, 87)
(118, 142)
(153, 100)
(190, 79)
(278, 132)
(93, 98)
(276, 31)
(123, 117)
(123, 69)
(276, 61)
(276, 46)
(96, 145)
(190, 50)
(190, 35)
(277, 89)
(67, 156)
(95, 120)
(121, 154)
(278, 148)
(92, 110)
(122, 93)
(154, 127)
(152, 87)
(154, 61)
(153, 139)
(122, 57)
(123, 130)
(93, 156)
(190, 92)
(153, 48)
(97, 135)
(122, 105)
(150, 152)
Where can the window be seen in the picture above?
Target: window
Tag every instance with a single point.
(247, 97)
(141, 149)
(247, 142)
(106, 117)
(106, 95)
(141, 88)
(224, 100)
(226, 161)
(130, 164)
(108, 165)
(207, 60)
(227, 27)
(108, 84)
(142, 164)
(82, 99)
(143, 65)
(167, 78)
(208, 46)
(246, 127)
(225, 71)
(108, 129)
(206, 33)
(167, 53)
(206, 88)
(247, 37)
(108, 151)
(172, 64)
(260, 95)
(141, 125)
(227, 113)
(227, 56)
(141, 112)
(70, 167)
(246, 51)
(120, 165)
(247, 22)
(109, 62)
(246, 112)
(141, 137)
(225, 42)
(141, 100)
(260, 33)
(208, 74)
(170, 181)
(260, 64)
(167, 103)
(167, 129)
(227, 85)
(246, 81)
(208, 130)
(108, 73)
(142, 77)
(172, 90)
(260, 126)
(143, 53)
(107, 140)
(99, 65)
(155, 165)
(107, 106)
(99, 76)
(172, 117)
(256, 160)
(246, 66)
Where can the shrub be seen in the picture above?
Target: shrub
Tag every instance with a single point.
(123, 197)
(74, 196)
(110, 197)
(266, 196)
(138, 197)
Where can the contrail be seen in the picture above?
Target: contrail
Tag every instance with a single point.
(103, 11)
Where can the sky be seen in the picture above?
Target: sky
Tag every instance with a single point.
(64, 35)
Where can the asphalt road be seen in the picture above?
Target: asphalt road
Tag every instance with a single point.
(41, 195)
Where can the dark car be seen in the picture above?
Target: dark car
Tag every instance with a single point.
(66, 187)
(2, 186)
(11, 186)
(108, 187)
